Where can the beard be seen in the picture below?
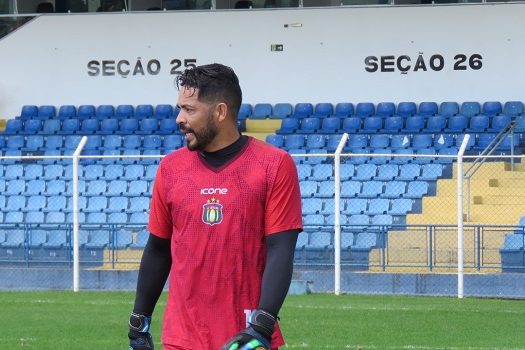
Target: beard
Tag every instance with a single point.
(202, 138)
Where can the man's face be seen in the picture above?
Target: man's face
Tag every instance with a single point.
(195, 120)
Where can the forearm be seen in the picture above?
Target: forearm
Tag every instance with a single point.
(153, 273)
(278, 271)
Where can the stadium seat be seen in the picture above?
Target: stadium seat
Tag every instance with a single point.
(344, 110)
(513, 108)
(117, 188)
(326, 189)
(262, 111)
(51, 126)
(148, 126)
(457, 123)
(288, 126)
(350, 188)
(330, 125)
(70, 126)
(139, 204)
(379, 141)
(387, 172)
(400, 141)
(311, 205)
(132, 142)
(380, 156)
(315, 141)
(414, 124)
(83, 112)
(321, 172)
(96, 188)
(422, 141)
(33, 172)
(138, 188)
(400, 206)
(428, 109)
(378, 206)
(71, 142)
(309, 125)
(14, 172)
(294, 141)
(139, 218)
(118, 218)
(358, 222)
(449, 108)
(436, 123)
(55, 218)
(406, 109)
(54, 142)
(245, 111)
(303, 110)
(308, 188)
(357, 142)
(15, 142)
(443, 141)
(416, 189)
(393, 124)
(275, 140)
(105, 112)
(151, 171)
(34, 143)
(125, 112)
(499, 122)
(351, 124)
(98, 239)
(168, 126)
(355, 206)
(109, 126)
(364, 109)
(144, 111)
(332, 142)
(89, 126)
(35, 187)
(347, 240)
(152, 142)
(163, 111)
(385, 109)
(55, 203)
(29, 112)
(128, 125)
(491, 108)
(471, 141)
(394, 189)
(94, 172)
(172, 142)
(82, 204)
(282, 110)
(56, 239)
(14, 238)
(304, 171)
(372, 124)
(409, 172)
(365, 172)
(478, 124)
(112, 142)
(470, 109)
(371, 189)
(32, 126)
(55, 188)
(34, 218)
(347, 171)
(47, 112)
(323, 110)
(14, 187)
(430, 172)
(140, 239)
(365, 241)
(15, 203)
(123, 237)
(117, 204)
(133, 172)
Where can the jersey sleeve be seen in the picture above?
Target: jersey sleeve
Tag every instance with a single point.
(160, 223)
(283, 206)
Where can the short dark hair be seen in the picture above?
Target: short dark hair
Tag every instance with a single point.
(215, 82)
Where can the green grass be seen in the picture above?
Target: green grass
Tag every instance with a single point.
(98, 320)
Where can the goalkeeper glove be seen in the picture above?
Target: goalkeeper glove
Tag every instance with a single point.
(139, 336)
(257, 336)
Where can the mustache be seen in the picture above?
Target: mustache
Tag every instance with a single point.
(185, 129)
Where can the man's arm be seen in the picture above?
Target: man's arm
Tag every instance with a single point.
(154, 270)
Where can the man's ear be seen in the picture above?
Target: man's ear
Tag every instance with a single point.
(221, 111)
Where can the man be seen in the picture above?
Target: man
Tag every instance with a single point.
(224, 219)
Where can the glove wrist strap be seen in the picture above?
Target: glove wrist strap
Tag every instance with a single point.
(263, 322)
(139, 323)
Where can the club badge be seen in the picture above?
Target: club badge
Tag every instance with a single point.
(212, 212)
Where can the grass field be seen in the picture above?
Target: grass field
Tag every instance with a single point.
(98, 320)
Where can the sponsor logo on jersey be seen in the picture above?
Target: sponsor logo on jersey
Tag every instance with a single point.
(212, 212)
(213, 191)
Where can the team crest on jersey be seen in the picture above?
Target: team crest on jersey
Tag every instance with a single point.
(212, 212)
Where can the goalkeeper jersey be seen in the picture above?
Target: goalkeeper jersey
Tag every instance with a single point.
(217, 220)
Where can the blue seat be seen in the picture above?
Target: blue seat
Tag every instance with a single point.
(152, 142)
(350, 188)
(72, 141)
(138, 188)
(125, 112)
(303, 110)
(105, 112)
(55, 203)
(132, 142)
(163, 111)
(414, 124)
(172, 142)
(294, 141)
(14, 187)
(365, 241)
(422, 141)
(509, 142)
(89, 126)
(358, 156)
(148, 125)
(51, 126)
(416, 189)
(139, 204)
(457, 123)
(400, 206)
(425, 155)
(15, 203)
(380, 156)
(14, 172)
(322, 172)
(379, 141)
(117, 204)
(431, 172)
(378, 206)
(304, 171)
(409, 172)
(344, 110)
(428, 109)
(151, 171)
(55, 188)
(34, 143)
(54, 142)
(365, 172)
(70, 126)
(308, 188)
(282, 110)
(123, 237)
(140, 240)
(385, 109)
(14, 217)
(491, 108)
(319, 239)
(347, 240)
(94, 172)
(351, 124)
(117, 188)
(394, 189)
(443, 141)
(498, 122)
(330, 125)
(315, 141)
(470, 108)
(436, 123)
(310, 125)
(262, 111)
(128, 125)
(478, 123)
(34, 218)
(55, 218)
(513, 108)
(449, 108)
(96, 218)
(323, 110)
(447, 155)
(275, 140)
(133, 172)
(96, 187)
(400, 141)
(47, 112)
(326, 189)
(312, 205)
(14, 238)
(144, 111)
(371, 189)
(393, 124)
(109, 126)
(332, 142)
(96, 204)
(82, 204)
(94, 142)
(83, 112)
(32, 172)
(245, 111)
(382, 220)
(406, 109)
(358, 221)
(168, 126)
(471, 142)
(32, 126)
(98, 239)
(355, 206)
(29, 112)
(112, 142)
(302, 241)
(35, 187)
(387, 172)
(347, 171)
(364, 109)
(329, 206)
(138, 218)
(56, 239)
(372, 124)
(2, 190)
(288, 126)
(513, 242)
(15, 142)
(357, 142)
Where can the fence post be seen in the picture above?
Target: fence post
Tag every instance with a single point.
(460, 214)
(76, 261)
(337, 214)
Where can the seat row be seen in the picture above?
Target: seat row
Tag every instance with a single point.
(89, 172)
(54, 218)
(324, 240)
(367, 189)
(382, 109)
(100, 112)
(355, 222)
(412, 124)
(64, 188)
(353, 206)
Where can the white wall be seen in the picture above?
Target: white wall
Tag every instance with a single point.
(46, 61)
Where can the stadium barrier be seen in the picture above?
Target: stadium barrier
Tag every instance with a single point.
(397, 213)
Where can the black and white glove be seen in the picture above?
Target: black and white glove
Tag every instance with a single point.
(257, 336)
(139, 335)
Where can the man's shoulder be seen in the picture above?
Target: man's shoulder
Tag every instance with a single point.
(177, 158)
